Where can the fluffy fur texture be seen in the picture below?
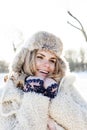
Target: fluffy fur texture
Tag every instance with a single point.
(39, 40)
(29, 111)
(69, 109)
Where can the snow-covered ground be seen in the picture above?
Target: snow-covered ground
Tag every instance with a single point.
(82, 84)
(82, 81)
(2, 79)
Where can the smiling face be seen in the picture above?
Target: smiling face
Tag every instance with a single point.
(45, 63)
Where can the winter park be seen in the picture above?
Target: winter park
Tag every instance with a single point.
(43, 65)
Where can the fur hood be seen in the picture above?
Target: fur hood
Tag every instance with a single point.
(39, 40)
(45, 40)
(29, 111)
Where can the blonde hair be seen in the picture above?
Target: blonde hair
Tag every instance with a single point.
(29, 63)
(30, 68)
(60, 70)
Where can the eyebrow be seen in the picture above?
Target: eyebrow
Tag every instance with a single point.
(41, 54)
(44, 56)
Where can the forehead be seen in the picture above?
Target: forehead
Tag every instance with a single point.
(47, 53)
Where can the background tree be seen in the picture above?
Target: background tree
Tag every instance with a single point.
(81, 28)
(4, 67)
(14, 47)
(77, 60)
(17, 39)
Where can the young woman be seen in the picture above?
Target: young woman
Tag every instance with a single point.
(40, 93)
(44, 66)
(44, 80)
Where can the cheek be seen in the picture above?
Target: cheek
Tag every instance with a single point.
(53, 67)
(38, 63)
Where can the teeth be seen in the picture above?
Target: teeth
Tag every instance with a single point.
(43, 71)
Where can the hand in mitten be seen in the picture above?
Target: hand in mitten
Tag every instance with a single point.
(34, 84)
(48, 87)
(51, 87)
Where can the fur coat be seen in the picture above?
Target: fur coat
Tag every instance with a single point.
(30, 111)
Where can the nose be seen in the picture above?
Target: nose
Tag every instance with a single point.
(46, 63)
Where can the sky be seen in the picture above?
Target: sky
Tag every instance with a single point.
(19, 19)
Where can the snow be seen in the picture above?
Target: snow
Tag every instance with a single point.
(82, 84)
(81, 80)
(2, 83)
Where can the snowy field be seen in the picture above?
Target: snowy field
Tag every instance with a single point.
(2, 80)
(82, 81)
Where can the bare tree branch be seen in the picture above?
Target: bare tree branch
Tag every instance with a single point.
(74, 26)
(81, 29)
(14, 47)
